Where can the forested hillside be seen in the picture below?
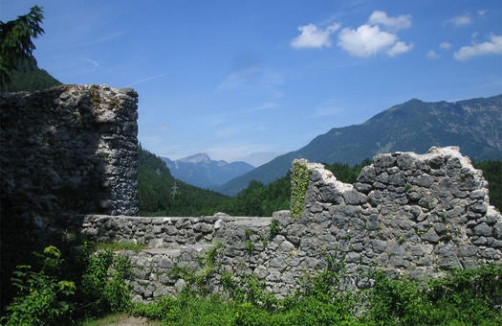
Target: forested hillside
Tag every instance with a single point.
(28, 77)
(415, 126)
(492, 171)
(156, 195)
(161, 194)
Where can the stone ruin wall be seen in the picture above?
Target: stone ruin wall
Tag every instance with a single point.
(65, 151)
(407, 214)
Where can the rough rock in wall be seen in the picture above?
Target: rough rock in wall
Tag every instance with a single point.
(68, 150)
(407, 214)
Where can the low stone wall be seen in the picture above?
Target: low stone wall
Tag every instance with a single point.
(162, 232)
(407, 214)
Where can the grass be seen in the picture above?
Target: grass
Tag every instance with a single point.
(121, 245)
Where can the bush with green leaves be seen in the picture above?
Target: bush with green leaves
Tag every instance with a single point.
(103, 283)
(459, 298)
(470, 297)
(43, 298)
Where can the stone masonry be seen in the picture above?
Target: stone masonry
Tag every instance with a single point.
(407, 214)
(65, 151)
(68, 150)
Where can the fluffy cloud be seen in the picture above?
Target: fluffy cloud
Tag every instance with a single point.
(494, 46)
(370, 39)
(378, 35)
(445, 45)
(313, 37)
(381, 18)
(432, 55)
(460, 21)
(365, 41)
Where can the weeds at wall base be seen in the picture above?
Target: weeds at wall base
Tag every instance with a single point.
(460, 298)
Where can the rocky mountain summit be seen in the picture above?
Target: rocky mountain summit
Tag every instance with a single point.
(201, 171)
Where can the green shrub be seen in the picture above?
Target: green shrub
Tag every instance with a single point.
(103, 283)
(42, 298)
(460, 298)
(274, 227)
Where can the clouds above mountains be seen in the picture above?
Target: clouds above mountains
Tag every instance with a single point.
(493, 46)
(378, 35)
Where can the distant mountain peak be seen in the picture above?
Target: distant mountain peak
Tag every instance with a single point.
(196, 158)
(199, 170)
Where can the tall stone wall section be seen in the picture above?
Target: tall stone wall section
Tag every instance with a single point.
(407, 214)
(68, 150)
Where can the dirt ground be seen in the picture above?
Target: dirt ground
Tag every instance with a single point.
(132, 321)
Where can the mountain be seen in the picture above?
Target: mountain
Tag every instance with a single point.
(161, 194)
(474, 125)
(28, 77)
(199, 170)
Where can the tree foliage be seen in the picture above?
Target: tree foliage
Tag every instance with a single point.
(492, 171)
(16, 45)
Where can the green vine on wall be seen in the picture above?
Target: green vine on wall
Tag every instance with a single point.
(299, 183)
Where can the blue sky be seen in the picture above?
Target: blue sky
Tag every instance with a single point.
(249, 80)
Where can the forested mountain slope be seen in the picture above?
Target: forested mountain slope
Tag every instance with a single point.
(473, 125)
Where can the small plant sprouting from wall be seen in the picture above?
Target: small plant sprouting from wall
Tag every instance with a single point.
(274, 227)
(299, 183)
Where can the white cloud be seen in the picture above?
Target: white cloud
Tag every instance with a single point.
(445, 45)
(370, 39)
(240, 78)
(462, 20)
(432, 55)
(313, 37)
(398, 48)
(494, 46)
(253, 76)
(381, 18)
(144, 80)
(481, 12)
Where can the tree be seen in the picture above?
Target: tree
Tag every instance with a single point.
(16, 45)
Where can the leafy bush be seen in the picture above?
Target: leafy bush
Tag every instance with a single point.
(103, 283)
(462, 297)
(45, 297)
(42, 299)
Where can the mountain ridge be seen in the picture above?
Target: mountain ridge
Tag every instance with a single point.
(201, 171)
(415, 125)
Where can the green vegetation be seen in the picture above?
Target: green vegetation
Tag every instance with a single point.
(460, 298)
(42, 297)
(58, 292)
(156, 196)
(300, 182)
(53, 296)
(18, 67)
(122, 245)
(156, 182)
(492, 171)
(161, 195)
